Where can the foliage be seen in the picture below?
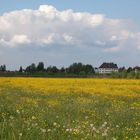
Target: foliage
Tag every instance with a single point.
(74, 70)
(31, 68)
(3, 68)
(40, 67)
(79, 68)
(20, 69)
(52, 69)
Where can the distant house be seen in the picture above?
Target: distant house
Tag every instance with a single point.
(107, 68)
(136, 69)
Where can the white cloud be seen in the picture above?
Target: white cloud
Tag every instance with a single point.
(48, 40)
(78, 34)
(67, 38)
(19, 39)
(15, 41)
(113, 38)
(47, 9)
(48, 26)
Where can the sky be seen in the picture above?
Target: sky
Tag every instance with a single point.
(60, 32)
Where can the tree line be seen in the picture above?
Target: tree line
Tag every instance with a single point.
(75, 69)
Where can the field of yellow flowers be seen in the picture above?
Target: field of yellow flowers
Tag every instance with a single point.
(69, 109)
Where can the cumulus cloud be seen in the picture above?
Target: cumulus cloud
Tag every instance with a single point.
(52, 35)
(48, 26)
(19, 39)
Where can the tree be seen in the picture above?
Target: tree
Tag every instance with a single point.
(3, 68)
(88, 69)
(136, 69)
(31, 68)
(52, 69)
(20, 69)
(40, 66)
(79, 68)
(75, 68)
(62, 70)
(122, 69)
(129, 69)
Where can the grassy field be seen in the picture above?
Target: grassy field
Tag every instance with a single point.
(69, 109)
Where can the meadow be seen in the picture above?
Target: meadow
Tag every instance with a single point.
(69, 109)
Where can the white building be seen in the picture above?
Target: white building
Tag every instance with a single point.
(107, 68)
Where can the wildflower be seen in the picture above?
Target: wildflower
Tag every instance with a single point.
(36, 124)
(11, 117)
(54, 124)
(97, 131)
(20, 134)
(48, 130)
(107, 114)
(18, 111)
(67, 130)
(43, 130)
(91, 125)
(33, 117)
(104, 124)
(93, 128)
(117, 126)
(75, 131)
(104, 134)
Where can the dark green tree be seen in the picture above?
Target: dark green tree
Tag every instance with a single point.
(31, 68)
(3, 68)
(20, 69)
(62, 70)
(40, 66)
(75, 68)
(88, 69)
(52, 69)
(81, 69)
(129, 69)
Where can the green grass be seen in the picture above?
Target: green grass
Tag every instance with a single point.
(32, 116)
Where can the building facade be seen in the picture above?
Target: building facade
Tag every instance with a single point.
(107, 68)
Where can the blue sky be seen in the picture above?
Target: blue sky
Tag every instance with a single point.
(109, 31)
(112, 8)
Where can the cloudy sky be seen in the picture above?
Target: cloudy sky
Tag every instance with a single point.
(60, 33)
